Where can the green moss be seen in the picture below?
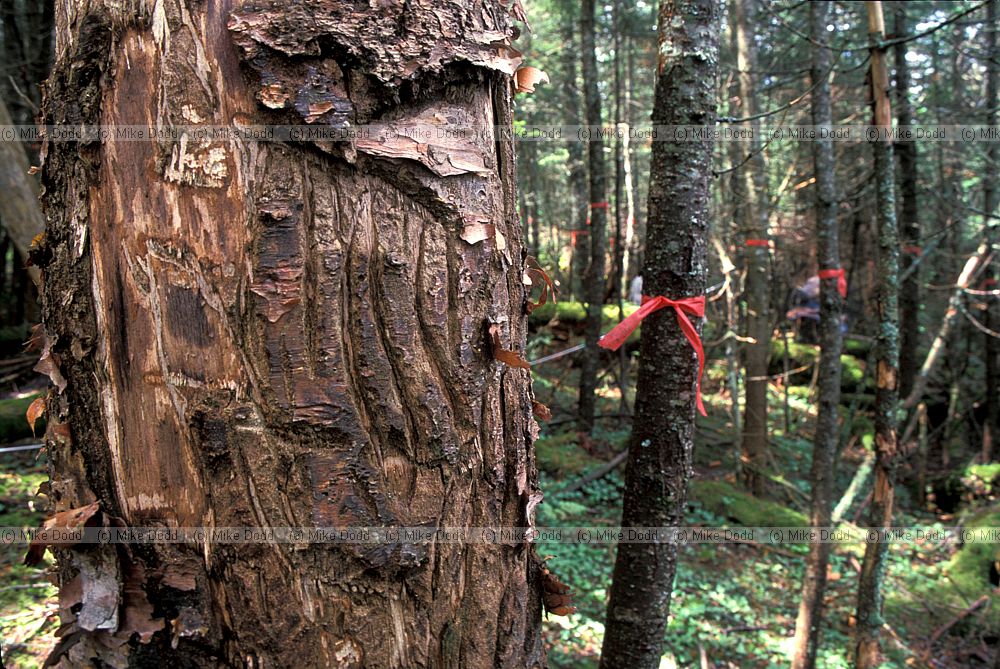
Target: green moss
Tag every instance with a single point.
(561, 455)
(13, 419)
(985, 473)
(857, 348)
(852, 368)
(852, 371)
(954, 584)
(575, 313)
(723, 499)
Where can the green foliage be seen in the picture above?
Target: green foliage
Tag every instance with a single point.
(26, 594)
(561, 455)
(575, 313)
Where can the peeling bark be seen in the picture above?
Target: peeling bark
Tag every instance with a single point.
(292, 334)
(867, 651)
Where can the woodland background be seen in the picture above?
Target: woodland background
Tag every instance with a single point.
(733, 605)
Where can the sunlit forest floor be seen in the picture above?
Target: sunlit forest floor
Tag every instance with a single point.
(734, 605)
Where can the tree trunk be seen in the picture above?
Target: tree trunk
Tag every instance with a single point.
(660, 453)
(20, 214)
(593, 285)
(757, 352)
(909, 294)
(991, 200)
(275, 334)
(577, 171)
(867, 652)
(615, 289)
(822, 473)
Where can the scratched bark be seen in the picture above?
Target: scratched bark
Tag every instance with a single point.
(289, 334)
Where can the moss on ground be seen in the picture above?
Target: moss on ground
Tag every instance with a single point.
(723, 499)
(575, 313)
(561, 455)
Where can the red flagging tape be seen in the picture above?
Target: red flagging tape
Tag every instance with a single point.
(837, 274)
(599, 205)
(913, 250)
(762, 243)
(682, 307)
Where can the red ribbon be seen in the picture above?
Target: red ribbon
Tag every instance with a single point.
(599, 205)
(913, 250)
(837, 274)
(682, 307)
(763, 243)
(573, 234)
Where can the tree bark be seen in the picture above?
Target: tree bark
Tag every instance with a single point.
(593, 285)
(660, 451)
(909, 294)
(757, 352)
(265, 334)
(822, 474)
(867, 651)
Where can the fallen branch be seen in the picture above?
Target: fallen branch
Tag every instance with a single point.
(598, 473)
(968, 611)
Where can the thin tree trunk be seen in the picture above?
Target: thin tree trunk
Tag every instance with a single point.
(593, 288)
(909, 294)
(273, 334)
(991, 200)
(20, 213)
(757, 352)
(577, 169)
(625, 128)
(937, 348)
(615, 288)
(660, 451)
(869, 617)
(822, 474)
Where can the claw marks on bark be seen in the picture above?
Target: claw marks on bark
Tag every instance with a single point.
(297, 329)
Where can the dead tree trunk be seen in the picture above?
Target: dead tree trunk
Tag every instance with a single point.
(757, 352)
(822, 475)
(867, 651)
(660, 453)
(293, 333)
(593, 285)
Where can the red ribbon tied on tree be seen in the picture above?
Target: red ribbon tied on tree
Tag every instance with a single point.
(682, 307)
(759, 243)
(837, 274)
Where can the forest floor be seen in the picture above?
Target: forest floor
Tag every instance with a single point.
(734, 605)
